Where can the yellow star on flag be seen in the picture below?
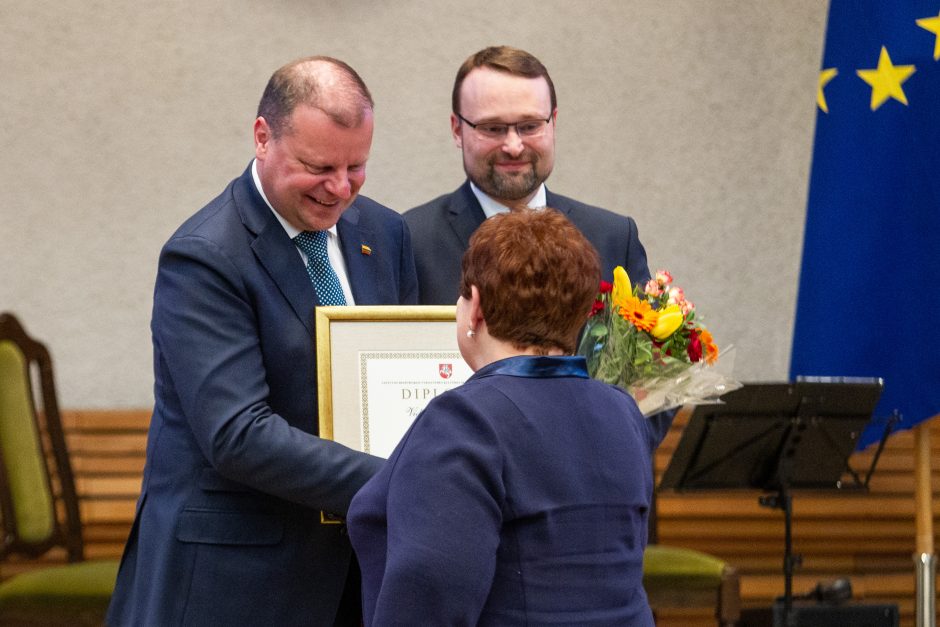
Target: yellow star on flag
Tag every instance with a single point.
(932, 24)
(825, 76)
(886, 81)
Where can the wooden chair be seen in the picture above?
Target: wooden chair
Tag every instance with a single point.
(38, 502)
(676, 577)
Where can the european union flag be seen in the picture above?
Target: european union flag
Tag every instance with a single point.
(869, 298)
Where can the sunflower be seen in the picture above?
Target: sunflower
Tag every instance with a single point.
(639, 313)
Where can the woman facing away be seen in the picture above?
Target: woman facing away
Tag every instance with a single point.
(521, 497)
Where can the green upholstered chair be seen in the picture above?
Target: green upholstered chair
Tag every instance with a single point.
(38, 502)
(675, 577)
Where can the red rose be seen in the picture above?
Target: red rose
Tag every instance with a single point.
(597, 307)
(694, 349)
(606, 288)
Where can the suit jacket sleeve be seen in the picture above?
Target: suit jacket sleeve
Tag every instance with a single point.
(637, 267)
(210, 334)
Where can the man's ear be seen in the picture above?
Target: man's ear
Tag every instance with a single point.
(262, 134)
(456, 130)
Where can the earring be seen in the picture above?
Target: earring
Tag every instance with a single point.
(471, 333)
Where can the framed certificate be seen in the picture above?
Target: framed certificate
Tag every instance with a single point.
(377, 368)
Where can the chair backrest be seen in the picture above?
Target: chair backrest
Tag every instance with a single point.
(38, 502)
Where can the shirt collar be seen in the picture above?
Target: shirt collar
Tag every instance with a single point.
(492, 207)
(536, 367)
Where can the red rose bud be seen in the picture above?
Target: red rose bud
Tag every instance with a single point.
(597, 307)
(606, 288)
(694, 349)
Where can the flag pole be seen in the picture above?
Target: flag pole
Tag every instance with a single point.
(926, 565)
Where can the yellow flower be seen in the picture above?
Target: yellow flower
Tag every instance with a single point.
(622, 286)
(670, 318)
(639, 313)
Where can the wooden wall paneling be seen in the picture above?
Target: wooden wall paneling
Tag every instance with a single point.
(868, 537)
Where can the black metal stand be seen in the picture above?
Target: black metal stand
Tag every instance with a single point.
(775, 438)
(784, 500)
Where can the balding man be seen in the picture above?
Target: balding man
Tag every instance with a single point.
(228, 526)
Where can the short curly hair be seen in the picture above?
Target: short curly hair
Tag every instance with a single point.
(537, 276)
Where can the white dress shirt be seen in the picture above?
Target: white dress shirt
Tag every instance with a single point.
(492, 207)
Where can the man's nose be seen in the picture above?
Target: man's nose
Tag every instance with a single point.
(512, 143)
(339, 185)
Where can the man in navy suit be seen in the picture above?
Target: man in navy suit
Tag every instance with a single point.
(503, 121)
(228, 529)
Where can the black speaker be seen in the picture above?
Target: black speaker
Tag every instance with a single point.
(809, 614)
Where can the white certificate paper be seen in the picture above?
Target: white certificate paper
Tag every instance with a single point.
(396, 386)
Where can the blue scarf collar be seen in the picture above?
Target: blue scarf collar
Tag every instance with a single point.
(535, 366)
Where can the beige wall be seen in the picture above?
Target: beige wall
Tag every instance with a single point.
(122, 118)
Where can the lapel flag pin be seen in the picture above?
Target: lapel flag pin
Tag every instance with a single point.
(365, 250)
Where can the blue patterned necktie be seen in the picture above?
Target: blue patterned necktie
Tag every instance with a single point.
(321, 273)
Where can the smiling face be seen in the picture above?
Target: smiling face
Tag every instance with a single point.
(312, 173)
(510, 168)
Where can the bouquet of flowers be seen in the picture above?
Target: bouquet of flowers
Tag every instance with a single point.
(649, 342)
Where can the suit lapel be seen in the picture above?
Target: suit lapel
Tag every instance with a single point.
(356, 242)
(283, 264)
(555, 202)
(275, 251)
(465, 213)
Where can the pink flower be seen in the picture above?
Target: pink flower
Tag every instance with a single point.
(686, 307)
(676, 296)
(663, 277)
(653, 288)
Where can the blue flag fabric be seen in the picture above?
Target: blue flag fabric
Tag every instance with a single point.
(869, 295)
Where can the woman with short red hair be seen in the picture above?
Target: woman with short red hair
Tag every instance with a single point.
(521, 497)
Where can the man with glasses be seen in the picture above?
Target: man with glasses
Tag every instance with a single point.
(503, 121)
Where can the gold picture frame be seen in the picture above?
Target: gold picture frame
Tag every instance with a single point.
(354, 342)
(368, 328)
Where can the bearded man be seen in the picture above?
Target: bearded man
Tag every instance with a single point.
(503, 122)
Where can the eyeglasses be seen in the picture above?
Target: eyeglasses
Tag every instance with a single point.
(498, 130)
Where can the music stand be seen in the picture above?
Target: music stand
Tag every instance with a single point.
(775, 437)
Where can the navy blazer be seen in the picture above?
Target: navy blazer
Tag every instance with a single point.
(441, 230)
(519, 498)
(227, 529)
